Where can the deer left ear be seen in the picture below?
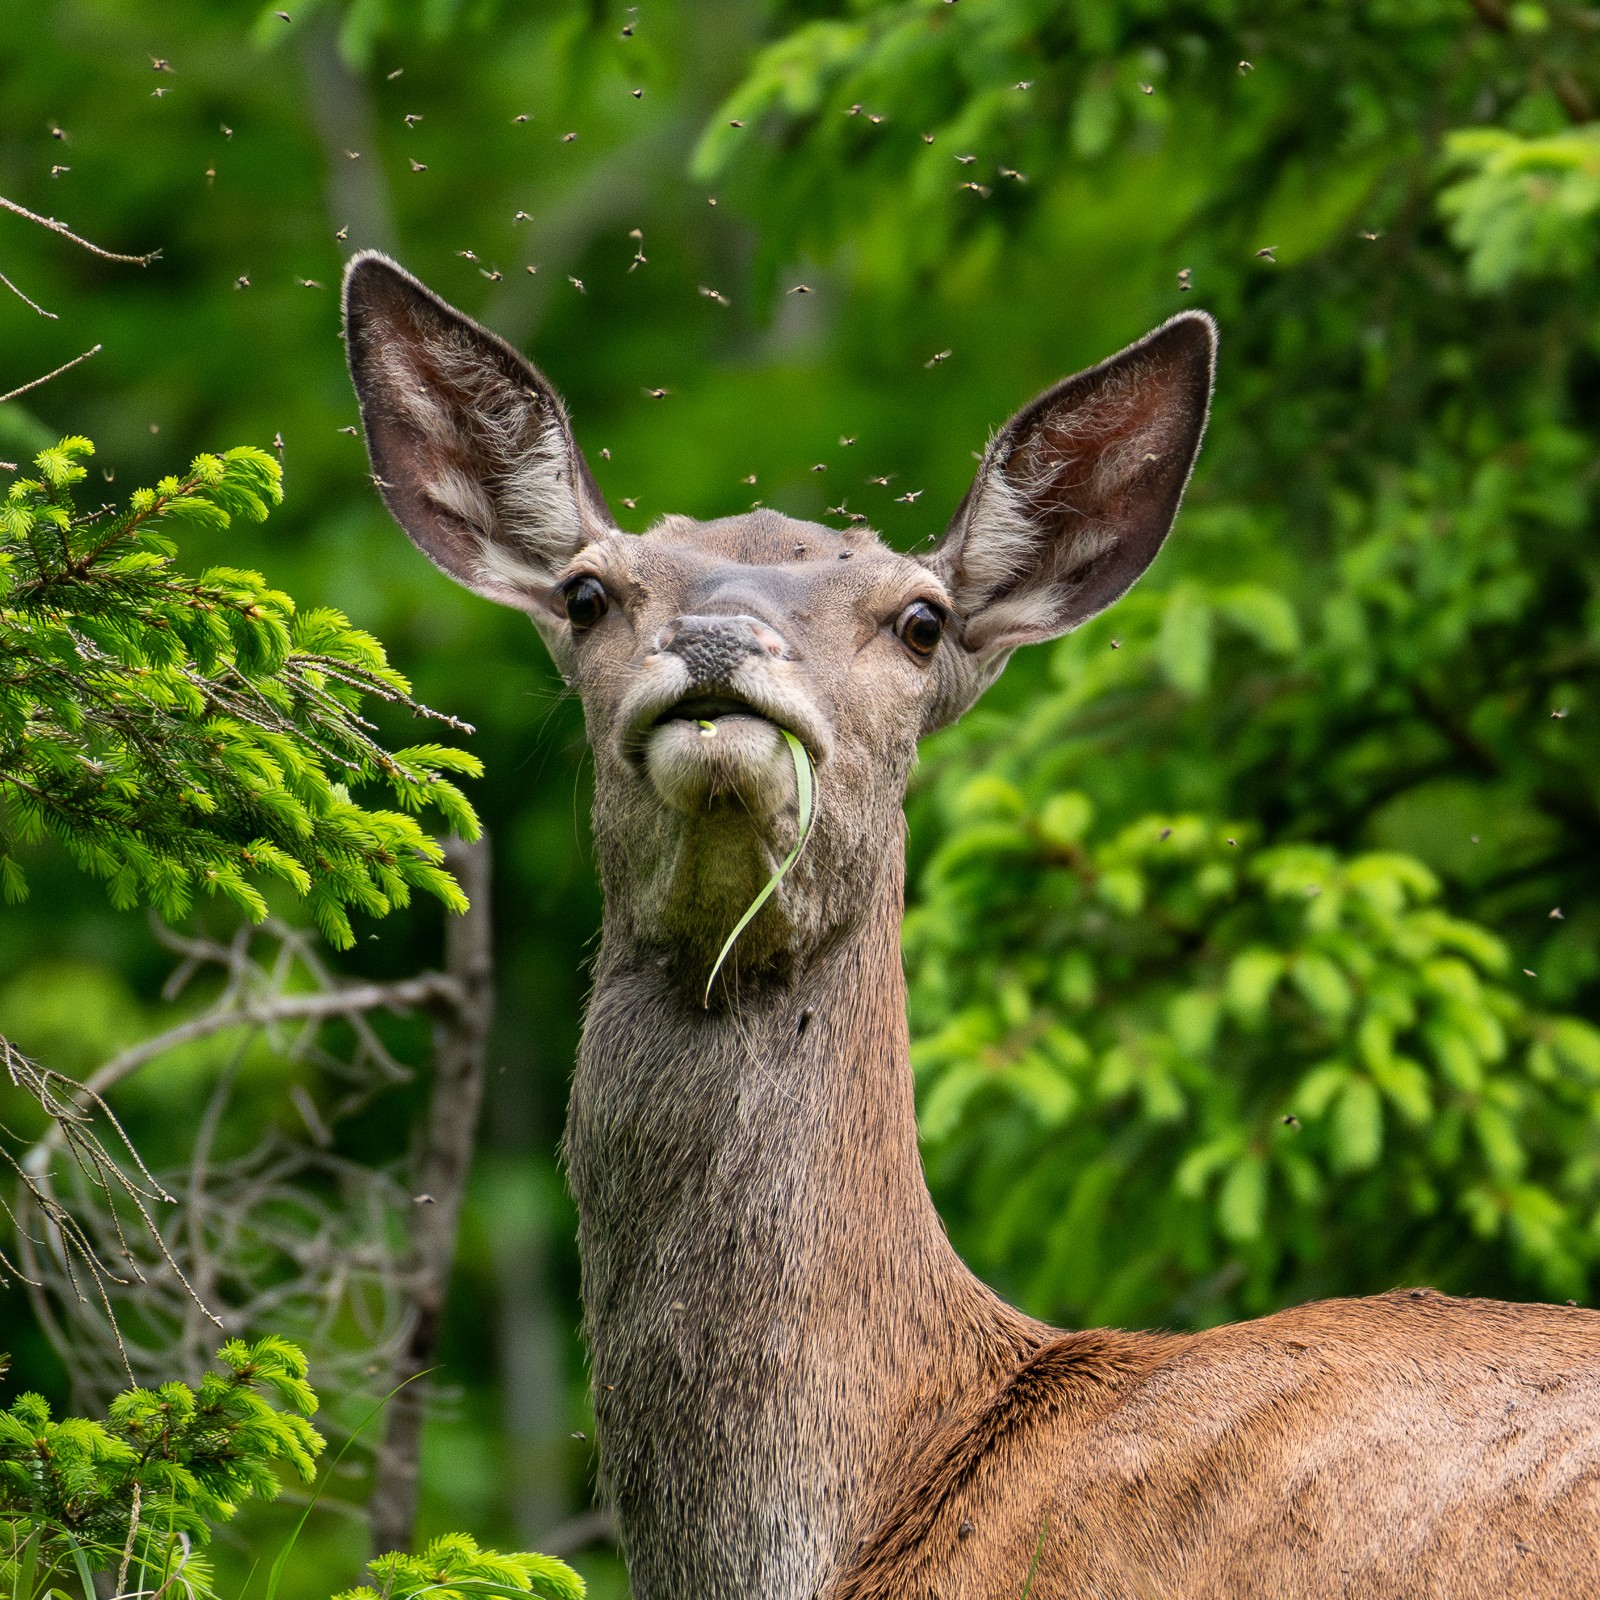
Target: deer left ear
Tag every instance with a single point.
(1077, 492)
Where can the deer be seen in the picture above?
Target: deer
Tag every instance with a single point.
(801, 1391)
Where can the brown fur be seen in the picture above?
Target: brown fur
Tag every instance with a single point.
(801, 1390)
(1406, 1445)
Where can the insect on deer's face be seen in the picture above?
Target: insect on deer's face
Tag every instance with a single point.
(696, 644)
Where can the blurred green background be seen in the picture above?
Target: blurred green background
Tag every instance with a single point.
(1254, 928)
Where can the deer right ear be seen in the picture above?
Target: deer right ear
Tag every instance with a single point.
(1073, 500)
(470, 446)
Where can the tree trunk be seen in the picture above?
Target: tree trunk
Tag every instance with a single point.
(443, 1164)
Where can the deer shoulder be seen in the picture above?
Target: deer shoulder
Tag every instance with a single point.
(1410, 1443)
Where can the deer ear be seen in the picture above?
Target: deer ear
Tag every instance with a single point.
(470, 447)
(1076, 493)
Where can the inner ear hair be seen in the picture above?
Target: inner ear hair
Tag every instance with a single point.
(1076, 492)
(470, 445)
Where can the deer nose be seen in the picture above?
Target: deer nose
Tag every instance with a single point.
(712, 647)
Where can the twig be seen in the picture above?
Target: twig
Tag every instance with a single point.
(67, 233)
(49, 375)
(203, 1274)
(26, 301)
(429, 988)
(127, 1549)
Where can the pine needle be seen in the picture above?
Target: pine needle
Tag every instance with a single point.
(805, 790)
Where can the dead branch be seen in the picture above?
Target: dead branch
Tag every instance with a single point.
(354, 1000)
(65, 367)
(66, 233)
(132, 1272)
(289, 1235)
(32, 305)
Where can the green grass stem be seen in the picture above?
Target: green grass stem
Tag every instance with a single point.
(805, 791)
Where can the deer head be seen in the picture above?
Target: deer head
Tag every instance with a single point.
(692, 645)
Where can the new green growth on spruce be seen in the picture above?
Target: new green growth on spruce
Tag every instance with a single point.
(139, 1491)
(136, 1496)
(452, 1567)
(177, 734)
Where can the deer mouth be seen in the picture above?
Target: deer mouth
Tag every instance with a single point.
(701, 743)
(710, 708)
(712, 753)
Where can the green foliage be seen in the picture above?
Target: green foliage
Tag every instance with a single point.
(134, 1495)
(144, 1487)
(1525, 207)
(1180, 1065)
(180, 734)
(1161, 1055)
(453, 1567)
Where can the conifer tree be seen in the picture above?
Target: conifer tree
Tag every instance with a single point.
(179, 735)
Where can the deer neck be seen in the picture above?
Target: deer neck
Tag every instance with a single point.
(775, 1314)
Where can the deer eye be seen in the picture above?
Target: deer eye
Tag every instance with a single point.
(921, 627)
(586, 601)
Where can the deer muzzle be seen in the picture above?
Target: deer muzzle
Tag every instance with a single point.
(706, 721)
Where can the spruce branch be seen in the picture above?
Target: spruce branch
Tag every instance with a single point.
(179, 734)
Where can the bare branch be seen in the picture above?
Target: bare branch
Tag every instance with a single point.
(290, 1234)
(32, 305)
(49, 375)
(426, 989)
(66, 233)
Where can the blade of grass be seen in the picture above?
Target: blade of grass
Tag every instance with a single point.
(1038, 1550)
(81, 1561)
(805, 794)
(27, 1562)
(276, 1574)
